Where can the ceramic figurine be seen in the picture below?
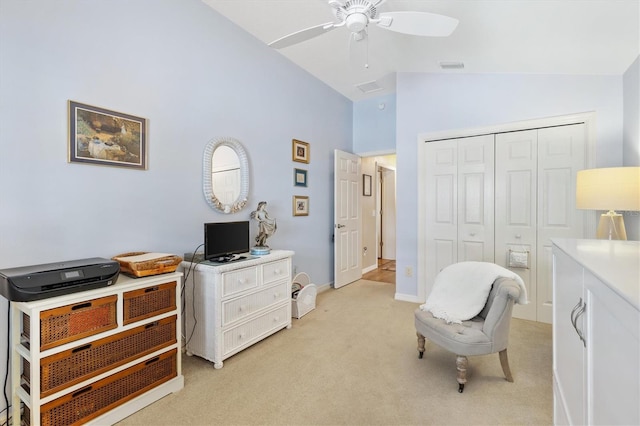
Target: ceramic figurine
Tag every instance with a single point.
(266, 228)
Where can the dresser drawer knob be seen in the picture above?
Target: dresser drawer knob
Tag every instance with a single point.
(242, 308)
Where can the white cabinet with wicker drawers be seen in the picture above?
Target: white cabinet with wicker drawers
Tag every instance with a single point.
(96, 357)
(231, 306)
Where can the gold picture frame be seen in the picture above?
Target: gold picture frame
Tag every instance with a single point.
(104, 137)
(300, 151)
(300, 205)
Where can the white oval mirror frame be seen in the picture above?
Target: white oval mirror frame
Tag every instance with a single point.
(207, 169)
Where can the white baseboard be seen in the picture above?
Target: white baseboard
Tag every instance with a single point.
(407, 298)
(369, 269)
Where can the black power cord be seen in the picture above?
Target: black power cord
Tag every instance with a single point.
(6, 374)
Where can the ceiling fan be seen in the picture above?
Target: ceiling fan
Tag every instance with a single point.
(356, 15)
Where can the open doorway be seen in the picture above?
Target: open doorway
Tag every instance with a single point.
(379, 219)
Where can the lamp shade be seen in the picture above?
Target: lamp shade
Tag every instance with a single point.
(612, 188)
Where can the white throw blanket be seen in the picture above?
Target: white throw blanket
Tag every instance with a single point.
(461, 290)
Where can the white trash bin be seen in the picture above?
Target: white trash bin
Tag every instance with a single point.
(303, 300)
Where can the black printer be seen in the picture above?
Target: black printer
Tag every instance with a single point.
(36, 282)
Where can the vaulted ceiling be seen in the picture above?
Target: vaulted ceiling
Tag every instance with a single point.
(600, 37)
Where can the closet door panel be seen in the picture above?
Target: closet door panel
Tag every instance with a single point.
(441, 211)
(561, 153)
(515, 207)
(475, 198)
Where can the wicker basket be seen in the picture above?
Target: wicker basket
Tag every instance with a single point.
(304, 300)
(67, 368)
(91, 401)
(148, 302)
(142, 263)
(72, 322)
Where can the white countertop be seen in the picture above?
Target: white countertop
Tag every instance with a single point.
(616, 263)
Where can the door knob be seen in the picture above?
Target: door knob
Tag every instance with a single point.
(340, 226)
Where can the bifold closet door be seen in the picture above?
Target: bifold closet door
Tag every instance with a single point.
(516, 208)
(535, 201)
(459, 211)
(561, 153)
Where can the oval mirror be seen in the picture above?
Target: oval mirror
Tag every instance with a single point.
(225, 175)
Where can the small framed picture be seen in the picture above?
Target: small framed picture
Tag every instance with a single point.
(366, 185)
(300, 151)
(300, 205)
(105, 137)
(299, 177)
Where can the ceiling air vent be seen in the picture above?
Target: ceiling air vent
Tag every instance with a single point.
(368, 87)
(451, 65)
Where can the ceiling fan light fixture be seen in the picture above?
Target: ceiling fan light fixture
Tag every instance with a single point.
(451, 65)
(369, 86)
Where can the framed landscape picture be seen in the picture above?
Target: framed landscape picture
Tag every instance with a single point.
(104, 137)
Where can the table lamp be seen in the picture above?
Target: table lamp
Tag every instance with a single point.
(609, 189)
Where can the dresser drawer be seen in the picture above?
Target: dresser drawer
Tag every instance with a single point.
(275, 271)
(148, 302)
(75, 365)
(99, 397)
(241, 307)
(252, 331)
(240, 280)
(72, 322)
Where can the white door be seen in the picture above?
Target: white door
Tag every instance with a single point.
(388, 213)
(347, 220)
(561, 153)
(475, 199)
(441, 207)
(459, 203)
(516, 201)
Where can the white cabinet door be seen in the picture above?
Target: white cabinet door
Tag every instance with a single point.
(568, 349)
(515, 208)
(561, 153)
(613, 351)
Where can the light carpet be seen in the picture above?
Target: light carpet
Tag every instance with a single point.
(354, 361)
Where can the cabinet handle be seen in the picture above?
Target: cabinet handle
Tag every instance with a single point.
(81, 348)
(580, 312)
(150, 289)
(81, 306)
(81, 391)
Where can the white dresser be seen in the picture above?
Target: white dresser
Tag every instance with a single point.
(231, 306)
(596, 332)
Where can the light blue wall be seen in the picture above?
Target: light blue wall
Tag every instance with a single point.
(438, 102)
(374, 125)
(194, 76)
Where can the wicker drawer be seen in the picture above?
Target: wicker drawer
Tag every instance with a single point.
(72, 322)
(91, 401)
(67, 368)
(240, 280)
(241, 307)
(149, 302)
(251, 331)
(275, 271)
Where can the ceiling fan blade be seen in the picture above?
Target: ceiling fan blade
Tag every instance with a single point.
(418, 23)
(302, 35)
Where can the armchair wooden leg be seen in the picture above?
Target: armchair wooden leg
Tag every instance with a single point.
(420, 345)
(461, 365)
(504, 362)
